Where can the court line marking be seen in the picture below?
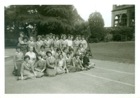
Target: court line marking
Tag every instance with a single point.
(124, 83)
(115, 70)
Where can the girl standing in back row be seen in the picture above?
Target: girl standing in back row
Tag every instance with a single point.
(18, 59)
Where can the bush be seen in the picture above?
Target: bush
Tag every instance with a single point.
(119, 34)
(108, 37)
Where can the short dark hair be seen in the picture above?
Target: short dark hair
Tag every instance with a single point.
(25, 38)
(48, 53)
(21, 32)
(68, 53)
(58, 49)
(26, 56)
(42, 47)
(39, 55)
(77, 54)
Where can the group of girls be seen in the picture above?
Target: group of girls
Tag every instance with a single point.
(50, 55)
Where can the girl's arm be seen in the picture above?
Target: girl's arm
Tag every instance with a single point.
(20, 40)
(33, 70)
(35, 67)
(44, 67)
(36, 48)
(14, 60)
(22, 71)
(80, 63)
(64, 64)
(73, 62)
(48, 64)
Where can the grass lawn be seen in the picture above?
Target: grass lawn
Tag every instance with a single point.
(114, 51)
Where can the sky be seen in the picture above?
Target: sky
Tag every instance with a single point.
(84, 10)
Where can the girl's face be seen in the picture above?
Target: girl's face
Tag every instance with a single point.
(25, 40)
(50, 36)
(39, 57)
(83, 38)
(77, 56)
(31, 49)
(42, 49)
(27, 59)
(18, 49)
(21, 35)
(31, 38)
(68, 55)
(59, 52)
(53, 37)
(65, 50)
(79, 37)
(71, 37)
(49, 54)
(81, 45)
(57, 38)
(61, 56)
(51, 48)
(76, 38)
(64, 37)
(43, 39)
(39, 38)
(87, 55)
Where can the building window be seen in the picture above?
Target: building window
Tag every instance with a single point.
(124, 20)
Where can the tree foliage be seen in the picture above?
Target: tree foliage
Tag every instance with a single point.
(96, 24)
(49, 18)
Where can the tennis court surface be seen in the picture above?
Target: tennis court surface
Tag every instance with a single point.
(106, 78)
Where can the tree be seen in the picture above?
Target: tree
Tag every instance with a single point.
(96, 24)
(82, 29)
(49, 18)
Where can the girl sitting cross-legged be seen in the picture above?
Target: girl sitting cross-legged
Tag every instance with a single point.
(51, 64)
(61, 65)
(86, 62)
(27, 69)
(40, 66)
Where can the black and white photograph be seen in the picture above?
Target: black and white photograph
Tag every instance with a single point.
(69, 48)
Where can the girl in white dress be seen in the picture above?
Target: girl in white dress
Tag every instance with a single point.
(32, 55)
